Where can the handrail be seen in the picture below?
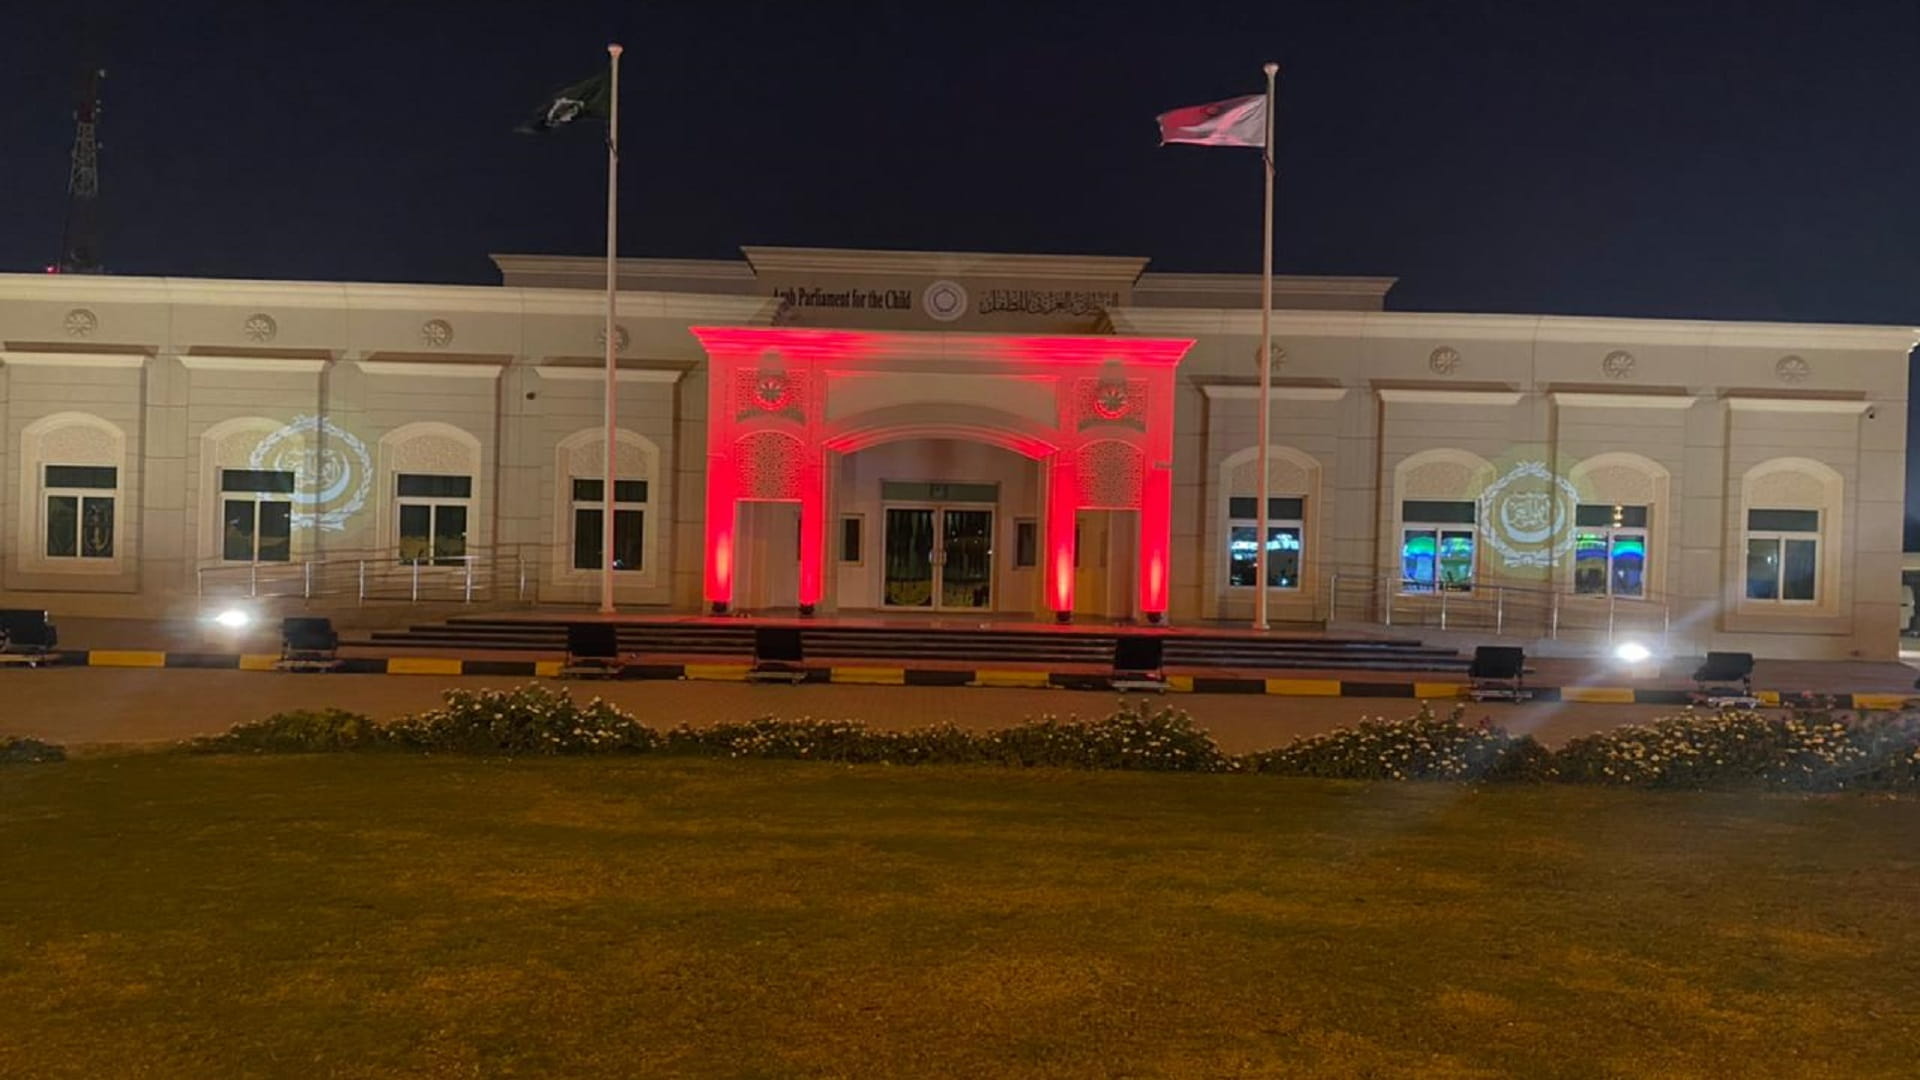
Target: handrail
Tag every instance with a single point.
(1497, 605)
(501, 572)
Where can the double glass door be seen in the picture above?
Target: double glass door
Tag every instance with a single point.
(939, 557)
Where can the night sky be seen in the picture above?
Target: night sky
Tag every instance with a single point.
(1738, 161)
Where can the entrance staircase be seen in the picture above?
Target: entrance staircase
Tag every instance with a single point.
(906, 644)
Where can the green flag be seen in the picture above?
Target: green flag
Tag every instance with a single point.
(586, 99)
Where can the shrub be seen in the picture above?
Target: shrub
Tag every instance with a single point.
(302, 731)
(1135, 736)
(1421, 747)
(20, 750)
(530, 719)
(771, 737)
(1812, 750)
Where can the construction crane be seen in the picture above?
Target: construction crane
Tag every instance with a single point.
(80, 246)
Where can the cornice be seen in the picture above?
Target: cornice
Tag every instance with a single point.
(276, 364)
(13, 358)
(1576, 399)
(1440, 326)
(1117, 269)
(1450, 397)
(1243, 392)
(1840, 406)
(583, 373)
(445, 370)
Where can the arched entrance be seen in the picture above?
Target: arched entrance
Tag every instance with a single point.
(1094, 413)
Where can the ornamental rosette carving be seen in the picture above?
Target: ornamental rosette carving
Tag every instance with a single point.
(1111, 399)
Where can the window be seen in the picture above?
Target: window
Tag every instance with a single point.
(851, 527)
(1026, 543)
(629, 522)
(1783, 555)
(433, 517)
(80, 510)
(1284, 530)
(256, 514)
(1610, 551)
(1436, 545)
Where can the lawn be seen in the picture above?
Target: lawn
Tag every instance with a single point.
(385, 915)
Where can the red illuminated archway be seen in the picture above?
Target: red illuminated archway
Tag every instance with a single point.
(1097, 412)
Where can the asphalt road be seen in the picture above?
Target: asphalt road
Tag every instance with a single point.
(86, 706)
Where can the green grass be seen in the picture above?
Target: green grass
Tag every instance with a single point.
(374, 915)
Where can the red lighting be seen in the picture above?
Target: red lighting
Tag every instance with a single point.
(793, 371)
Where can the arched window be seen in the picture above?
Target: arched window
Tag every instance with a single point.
(580, 472)
(432, 471)
(1293, 481)
(73, 486)
(248, 501)
(1618, 526)
(1790, 530)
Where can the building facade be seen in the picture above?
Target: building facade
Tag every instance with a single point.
(1016, 436)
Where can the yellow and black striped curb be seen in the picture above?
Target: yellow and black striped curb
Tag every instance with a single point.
(875, 675)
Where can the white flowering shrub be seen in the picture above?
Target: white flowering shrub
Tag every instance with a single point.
(20, 750)
(300, 731)
(1421, 747)
(530, 719)
(1811, 750)
(1135, 736)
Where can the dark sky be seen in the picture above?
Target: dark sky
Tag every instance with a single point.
(1742, 161)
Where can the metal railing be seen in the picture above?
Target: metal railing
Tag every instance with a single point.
(490, 576)
(1498, 607)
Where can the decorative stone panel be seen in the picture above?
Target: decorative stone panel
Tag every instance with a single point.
(1619, 485)
(1787, 487)
(1110, 475)
(434, 453)
(769, 464)
(589, 458)
(1284, 477)
(1440, 480)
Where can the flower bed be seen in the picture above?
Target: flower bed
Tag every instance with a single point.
(1810, 750)
(1422, 747)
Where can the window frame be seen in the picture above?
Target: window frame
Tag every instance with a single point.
(1608, 534)
(859, 523)
(434, 504)
(1441, 530)
(1780, 538)
(81, 496)
(575, 505)
(222, 497)
(1296, 523)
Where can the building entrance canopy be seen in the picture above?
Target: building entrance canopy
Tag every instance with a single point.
(1095, 412)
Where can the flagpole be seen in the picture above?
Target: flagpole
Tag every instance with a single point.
(607, 491)
(1266, 361)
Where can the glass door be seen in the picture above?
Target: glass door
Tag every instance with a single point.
(909, 557)
(966, 559)
(938, 557)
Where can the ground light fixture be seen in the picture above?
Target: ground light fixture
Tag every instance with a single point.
(1632, 652)
(234, 618)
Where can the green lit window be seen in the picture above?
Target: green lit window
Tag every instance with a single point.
(1610, 551)
(1438, 545)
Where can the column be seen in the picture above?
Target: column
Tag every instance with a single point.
(1063, 502)
(813, 531)
(722, 517)
(1156, 537)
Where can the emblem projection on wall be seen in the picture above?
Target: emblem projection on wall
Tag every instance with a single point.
(331, 483)
(1520, 518)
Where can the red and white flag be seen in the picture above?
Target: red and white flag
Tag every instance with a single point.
(1240, 121)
